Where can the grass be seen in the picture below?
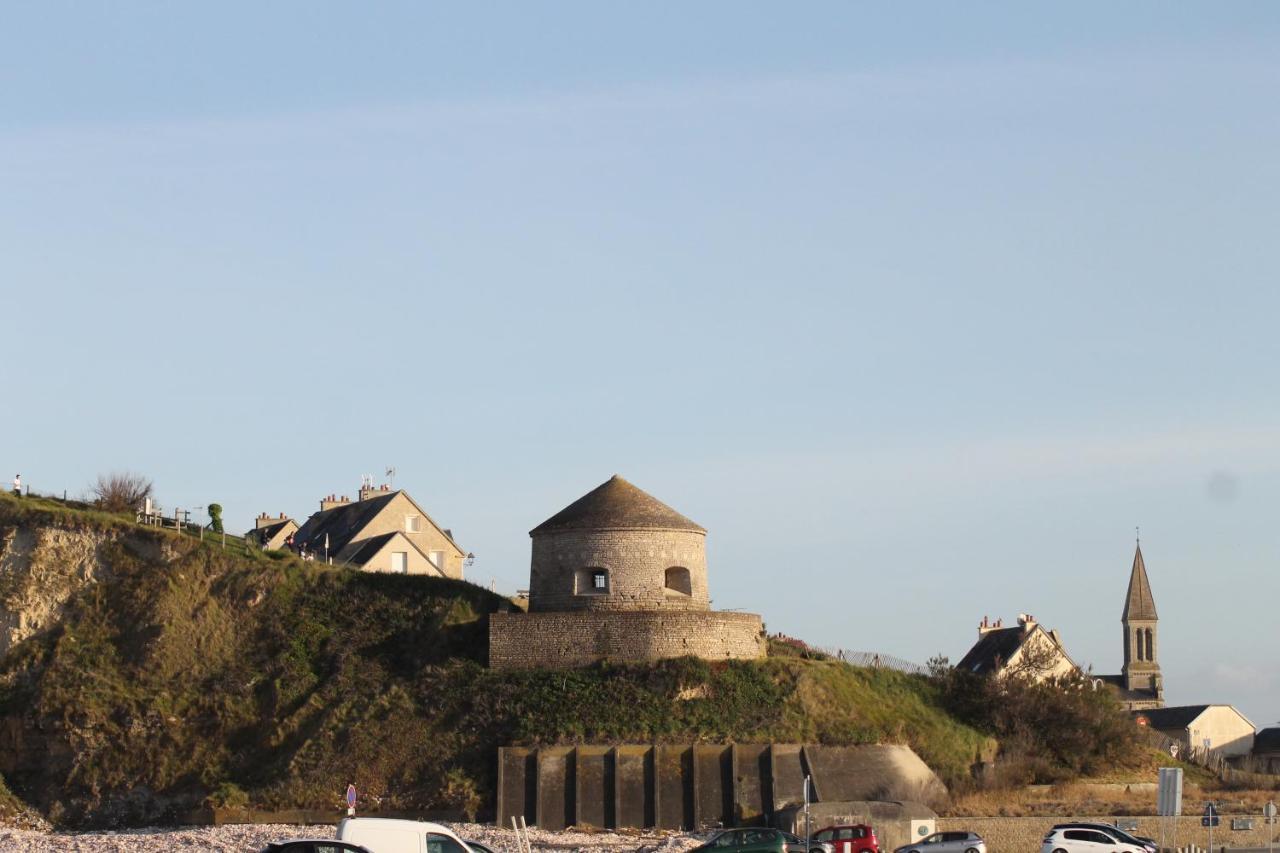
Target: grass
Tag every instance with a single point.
(212, 676)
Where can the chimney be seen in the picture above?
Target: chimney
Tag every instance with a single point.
(333, 501)
(262, 521)
(988, 625)
(1026, 621)
(371, 491)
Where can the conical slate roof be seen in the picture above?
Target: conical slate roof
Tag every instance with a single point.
(1139, 603)
(616, 505)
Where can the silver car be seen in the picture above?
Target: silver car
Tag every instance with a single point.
(946, 842)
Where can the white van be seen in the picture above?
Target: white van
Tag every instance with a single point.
(385, 835)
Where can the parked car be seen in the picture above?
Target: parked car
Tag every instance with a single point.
(850, 838)
(1114, 831)
(477, 847)
(313, 845)
(946, 842)
(387, 835)
(1086, 840)
(751, 839)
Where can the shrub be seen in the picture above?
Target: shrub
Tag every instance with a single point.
(215, 517)
(120, 492)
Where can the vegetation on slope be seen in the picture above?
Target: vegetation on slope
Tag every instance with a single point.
(213, 678)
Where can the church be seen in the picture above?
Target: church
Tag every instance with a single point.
(1139, 686)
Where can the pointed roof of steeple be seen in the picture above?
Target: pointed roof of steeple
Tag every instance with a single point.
(616, 504)
(1139, 603)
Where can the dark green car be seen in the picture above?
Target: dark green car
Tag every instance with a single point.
(753, 839)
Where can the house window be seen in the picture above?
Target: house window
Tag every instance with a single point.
(591, 581)
(437, 559)
(413, 524)
(676, 581)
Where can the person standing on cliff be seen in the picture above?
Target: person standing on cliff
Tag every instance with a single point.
(17, 485)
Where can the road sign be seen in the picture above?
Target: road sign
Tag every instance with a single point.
(1210, 818)
(351, 799)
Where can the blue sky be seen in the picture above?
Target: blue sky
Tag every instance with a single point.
(919, 309)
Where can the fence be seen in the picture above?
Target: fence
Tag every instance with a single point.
(234, 543)
(1250, 770)
(875, 660)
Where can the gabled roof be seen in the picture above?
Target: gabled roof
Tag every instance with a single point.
(993, 650)
(342, 524)
(363, 550)
(1267, 740)
(616, 505)
(1139, 603)
(1177, 717)
(266, 534)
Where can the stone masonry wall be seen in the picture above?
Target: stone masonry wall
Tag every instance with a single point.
(528, 640)
(635, 560)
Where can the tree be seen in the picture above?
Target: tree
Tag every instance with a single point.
(215, 517)
(120, 492)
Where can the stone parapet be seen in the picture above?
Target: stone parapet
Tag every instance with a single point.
(579, 638)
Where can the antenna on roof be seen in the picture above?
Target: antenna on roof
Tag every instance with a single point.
(391, 477)
(1137, 534)
(366, 481)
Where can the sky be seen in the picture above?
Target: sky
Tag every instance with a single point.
(920, 309)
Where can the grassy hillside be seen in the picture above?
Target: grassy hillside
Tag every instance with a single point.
(274, 682)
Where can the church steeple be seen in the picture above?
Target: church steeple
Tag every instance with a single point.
(1141, 664)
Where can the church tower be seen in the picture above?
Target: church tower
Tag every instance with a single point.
(1141, 670)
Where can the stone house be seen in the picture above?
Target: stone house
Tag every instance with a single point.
(382, 531)
(1025, 651)
(1139, 686)
(271, 533)
(619, 575)
(1219, 728)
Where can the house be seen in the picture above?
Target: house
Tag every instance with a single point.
(1266, 749)
(382, 531)
(1139, 686)
(1027, 650)
(1218, 728)
(270, 533)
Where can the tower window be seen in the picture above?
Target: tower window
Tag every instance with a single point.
(676, 581)
(591, 581)
(1151, 652)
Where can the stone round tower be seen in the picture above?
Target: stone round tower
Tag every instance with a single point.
(618, 548)
(618, 575)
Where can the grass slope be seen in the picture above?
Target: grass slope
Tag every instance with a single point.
(274, 682)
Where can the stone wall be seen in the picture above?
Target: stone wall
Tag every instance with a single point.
(1025, 833)
(636, 562)
(579, 638)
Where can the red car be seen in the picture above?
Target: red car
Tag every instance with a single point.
(855, 838)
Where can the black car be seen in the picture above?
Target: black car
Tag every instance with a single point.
(314, 845)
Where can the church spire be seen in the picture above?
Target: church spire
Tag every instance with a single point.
(1139, 604)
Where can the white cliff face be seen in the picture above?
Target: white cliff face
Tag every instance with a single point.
(41, 568)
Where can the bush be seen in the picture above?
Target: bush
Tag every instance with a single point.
(120, 492)
(228, 795)
(215, 517)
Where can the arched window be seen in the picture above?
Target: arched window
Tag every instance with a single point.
(591, 581)
(1137, 642)
(676, 581)
(1151, 652)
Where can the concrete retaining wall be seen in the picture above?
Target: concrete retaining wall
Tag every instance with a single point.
(692, 787)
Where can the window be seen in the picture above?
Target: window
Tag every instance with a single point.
(413, 524)
(1137, 642)
(676, 581)
(591, 581)
(437, 559)
(1151, 654)
(825, 835)
(442, 844)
